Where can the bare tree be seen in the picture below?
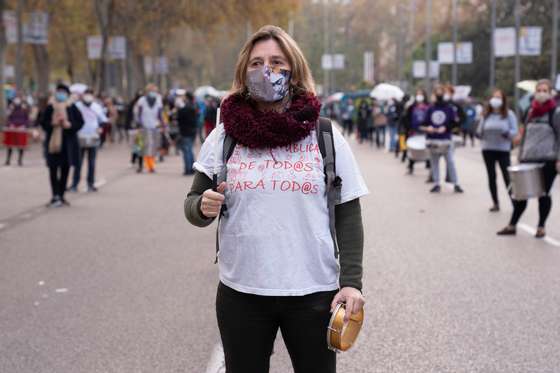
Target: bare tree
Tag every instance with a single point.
(104, 11)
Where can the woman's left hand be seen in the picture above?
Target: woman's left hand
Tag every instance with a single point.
(352, 297)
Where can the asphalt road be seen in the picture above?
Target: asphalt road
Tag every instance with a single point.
(120, 282)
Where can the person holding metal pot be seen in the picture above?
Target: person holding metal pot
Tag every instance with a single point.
(439, 124)
(288, 251)
(497, 129)
(539, 142)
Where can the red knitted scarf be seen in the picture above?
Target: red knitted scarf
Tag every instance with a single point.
(269, 129)
(538, 109)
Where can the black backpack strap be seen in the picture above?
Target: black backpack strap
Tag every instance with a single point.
(333, 182)
(229, 146)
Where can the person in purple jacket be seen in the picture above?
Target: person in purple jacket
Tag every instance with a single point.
(438, 126)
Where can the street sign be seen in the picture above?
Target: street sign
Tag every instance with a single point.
(419, 69)
(464, 53)
(10, 25)
(530, 41)
(504, 41)
(36, 29)
(117, 48)
(94, 45)
(332, 61)
(369, 72)
(161, 65)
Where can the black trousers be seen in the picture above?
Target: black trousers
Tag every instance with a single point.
(59, 168)
(249, 323)
(503, 158)
(545, 202)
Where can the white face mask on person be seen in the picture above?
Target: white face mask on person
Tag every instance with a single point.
(542, 97)
(447, 97)
(419, 98)
(267, 85)
(496, 102)
(88, 98)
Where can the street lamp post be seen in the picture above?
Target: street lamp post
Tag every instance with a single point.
(554, 52)
(517, 12)
(455, 31)
(428, 82)
(492, 82)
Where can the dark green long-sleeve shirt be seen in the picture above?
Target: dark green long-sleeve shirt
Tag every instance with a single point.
(349, 230)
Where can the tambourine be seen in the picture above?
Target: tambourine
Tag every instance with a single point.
(341, 336)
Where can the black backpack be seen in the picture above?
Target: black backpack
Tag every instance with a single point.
(333, 182)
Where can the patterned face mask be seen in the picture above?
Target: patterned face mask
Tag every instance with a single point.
(267, 85)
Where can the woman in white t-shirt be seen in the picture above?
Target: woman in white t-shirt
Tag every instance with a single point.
(278, 265)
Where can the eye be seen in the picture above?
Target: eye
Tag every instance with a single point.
(256, 63)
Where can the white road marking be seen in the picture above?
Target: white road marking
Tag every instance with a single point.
(532, 232)
(41, 283)
(61, 290)
(217, 362)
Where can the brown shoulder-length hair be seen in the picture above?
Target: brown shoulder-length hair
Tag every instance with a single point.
(503, 110)
(301, 80)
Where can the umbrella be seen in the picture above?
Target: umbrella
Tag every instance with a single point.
(384, 92)
(335, 97)
(78, 88)
(528, 85)
(206, 90)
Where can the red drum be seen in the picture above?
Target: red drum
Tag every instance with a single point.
(15, 137)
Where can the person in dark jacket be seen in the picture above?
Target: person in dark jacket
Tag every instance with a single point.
(61, 122)
(187, 118)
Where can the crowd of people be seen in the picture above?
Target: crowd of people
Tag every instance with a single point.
(77, 123)
(446, 122)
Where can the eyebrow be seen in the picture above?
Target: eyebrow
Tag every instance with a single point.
(271, 57)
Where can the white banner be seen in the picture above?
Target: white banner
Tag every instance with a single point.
(10, 26)
(504, 41)
(530, 41)
(36, 30)
(419, 69)
(94, 45)
(464, 53)
(369, 73)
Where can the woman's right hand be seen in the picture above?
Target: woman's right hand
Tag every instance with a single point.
(212, 201)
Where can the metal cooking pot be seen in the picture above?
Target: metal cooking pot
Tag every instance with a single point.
(527, 181)
(416, 148)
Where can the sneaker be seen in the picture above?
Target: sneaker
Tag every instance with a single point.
(55, 202)
(541, 233)
(91, 188)
(494, 208)
(507, 231)
(458, 189)
(73, 189)
(65, 202)
(435, 189)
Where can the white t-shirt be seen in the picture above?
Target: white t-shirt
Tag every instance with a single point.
(149, 115)
(275, 239)
(93, 116)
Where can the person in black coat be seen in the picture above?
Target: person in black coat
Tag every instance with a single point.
(187, 120)
(61, 122)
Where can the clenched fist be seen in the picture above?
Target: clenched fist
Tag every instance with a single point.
(212, 201)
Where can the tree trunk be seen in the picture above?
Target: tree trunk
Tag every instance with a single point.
(42, 68)
(104, 10)
(19, 46)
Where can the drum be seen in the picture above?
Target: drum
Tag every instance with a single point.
(341, 336)
(527, 181)
(416, 148)
(440, 147)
